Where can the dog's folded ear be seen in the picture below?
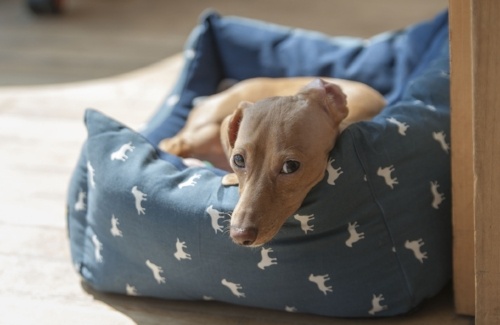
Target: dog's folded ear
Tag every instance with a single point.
(230, 180)
(230, 127)
(331, 95)
(234, 122)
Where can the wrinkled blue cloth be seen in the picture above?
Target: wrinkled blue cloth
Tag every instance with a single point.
(235, 48)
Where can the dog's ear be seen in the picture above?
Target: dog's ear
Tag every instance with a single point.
(331, 95)
(230, 127)
(234, 122)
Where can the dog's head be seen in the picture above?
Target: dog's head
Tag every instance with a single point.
(278, 149)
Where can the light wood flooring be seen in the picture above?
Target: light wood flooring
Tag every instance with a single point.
(102, 38)
(41, 132)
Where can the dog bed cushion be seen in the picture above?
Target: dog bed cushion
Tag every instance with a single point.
(372, 239)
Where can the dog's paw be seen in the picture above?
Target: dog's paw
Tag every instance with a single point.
(230, 180)
(175, 146)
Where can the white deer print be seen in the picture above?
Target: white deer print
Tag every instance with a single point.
(91, 171)
(402, 126)
(304, 222)
(97, 249)
(320, 282)
(438, 197)
(157, 270)
(444, 74)
(354, 236)
(121, 154)
(333, 173)
(441, 138)
(428, 106)
(114, 227)
(172, 100)
(376, 306)
(80, 203)
(234, 287)
(266, 259)
(131, 290)
(215, 215)
(386, 174)
(415, 247)
(180, 254)
(139, 197)
(190, 54)
(190, 182)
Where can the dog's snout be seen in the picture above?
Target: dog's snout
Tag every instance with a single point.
(243, 236)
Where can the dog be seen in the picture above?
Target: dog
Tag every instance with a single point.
(275, 135)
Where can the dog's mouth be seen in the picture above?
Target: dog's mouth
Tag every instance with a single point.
(252, 236)
(253, 226)
(244, 236)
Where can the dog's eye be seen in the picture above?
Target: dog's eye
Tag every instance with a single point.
(290, 166)
(239, 161)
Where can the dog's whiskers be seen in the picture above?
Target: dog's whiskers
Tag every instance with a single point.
(226, 230)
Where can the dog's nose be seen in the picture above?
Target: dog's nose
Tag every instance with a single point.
(243, 236)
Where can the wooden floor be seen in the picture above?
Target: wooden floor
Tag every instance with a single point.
(102, 38)
(41, 132)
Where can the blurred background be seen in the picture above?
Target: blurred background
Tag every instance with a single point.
(91, 39)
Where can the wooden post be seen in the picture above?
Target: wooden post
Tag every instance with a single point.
(486, 114)
(462, 155)
(475, 90)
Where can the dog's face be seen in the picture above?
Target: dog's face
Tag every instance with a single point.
(278, 149)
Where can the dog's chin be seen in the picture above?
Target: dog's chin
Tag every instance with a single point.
(258, 243)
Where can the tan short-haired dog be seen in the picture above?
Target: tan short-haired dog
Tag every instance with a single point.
(278, 147)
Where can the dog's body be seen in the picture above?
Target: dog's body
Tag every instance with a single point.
(278, 147)
(200, 137)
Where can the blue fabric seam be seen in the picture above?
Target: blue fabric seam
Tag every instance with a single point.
(358, 153)
(83, 221)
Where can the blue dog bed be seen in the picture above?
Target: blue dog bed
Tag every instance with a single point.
(372, 239)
